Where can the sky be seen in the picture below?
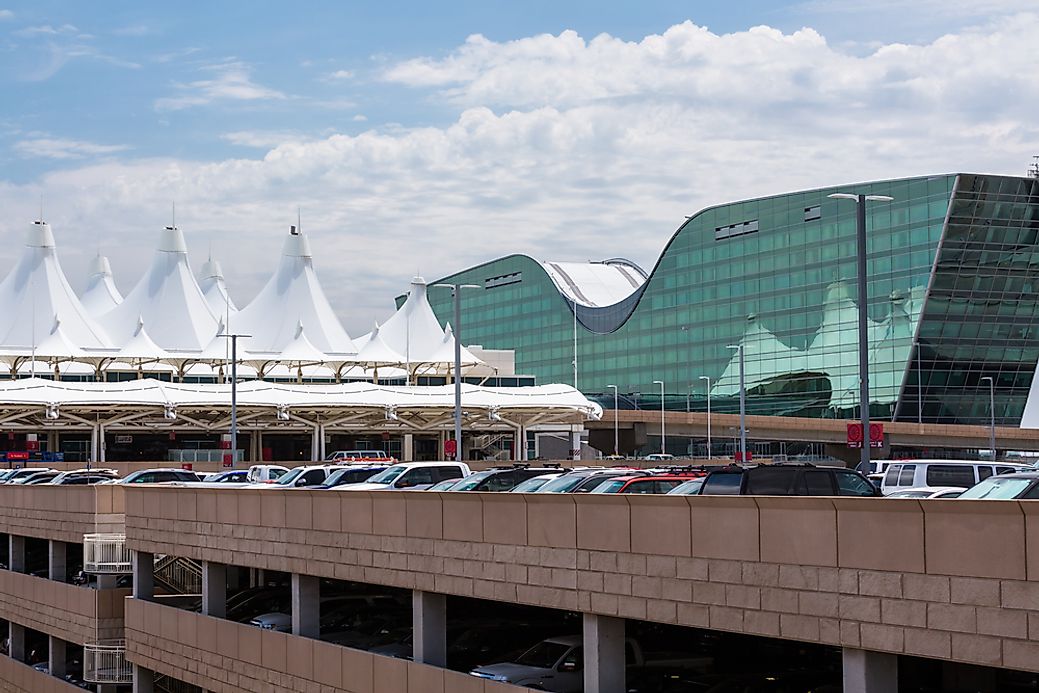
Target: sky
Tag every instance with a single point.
(416, 137)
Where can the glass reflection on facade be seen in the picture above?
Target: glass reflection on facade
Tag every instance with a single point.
(951, 272)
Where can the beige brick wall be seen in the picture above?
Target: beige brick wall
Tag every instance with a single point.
(64, 513)
(955, 580)
(16, 677)
(227, 657)
(77, 614)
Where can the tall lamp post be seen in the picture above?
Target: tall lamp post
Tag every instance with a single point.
(456, 292)
(743, 405)
(234, 393)
(991, 414)
(860, 236)
(663, 439)
(616, 427)
(704, 377)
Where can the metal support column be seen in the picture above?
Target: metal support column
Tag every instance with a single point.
(429, 627)
(869, 672)
(214, 589)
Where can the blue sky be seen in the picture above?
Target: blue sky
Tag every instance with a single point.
(425, 136)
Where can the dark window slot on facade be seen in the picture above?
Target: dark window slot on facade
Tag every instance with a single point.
(813, 213)
(723, 232)
(503, 280)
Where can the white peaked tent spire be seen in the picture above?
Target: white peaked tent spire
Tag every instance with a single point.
(35, 296)
(101, 294)
(140, 348)
(445, 352)
(214, 288)
(376, 352)
(293, 297)
(168, 291)
(414, 329)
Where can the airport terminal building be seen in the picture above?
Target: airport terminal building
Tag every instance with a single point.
(952, 277)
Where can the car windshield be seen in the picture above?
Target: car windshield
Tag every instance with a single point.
(471, 481)
(348, 475)
(998, 488)
(544, 655)
(687, 488)
(387, 476)
(563, 484)
(532, 484)
(612, 486)
(290, 477)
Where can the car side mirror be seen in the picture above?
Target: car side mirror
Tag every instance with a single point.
(403, 483)
(302, 482)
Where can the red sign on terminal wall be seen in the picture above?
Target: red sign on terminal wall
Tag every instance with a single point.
(450, 448)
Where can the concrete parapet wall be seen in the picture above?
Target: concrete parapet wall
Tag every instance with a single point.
(955, 580)
(16, 677)
(224, 656)
(77, 614)
(64, 513)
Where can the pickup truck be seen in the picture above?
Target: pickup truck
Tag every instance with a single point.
(557, 664)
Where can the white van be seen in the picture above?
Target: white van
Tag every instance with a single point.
(902, 474)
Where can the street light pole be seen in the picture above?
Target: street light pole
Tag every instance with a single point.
(663, 439)
(709, 453)
(991, 414)
(860, 237)
(616, 427)
(743, 405)
(234, 394)
(456, 291)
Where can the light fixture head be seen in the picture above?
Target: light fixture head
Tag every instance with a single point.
(879, 198)
(842, 196)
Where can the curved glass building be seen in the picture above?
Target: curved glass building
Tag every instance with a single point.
(953, 270)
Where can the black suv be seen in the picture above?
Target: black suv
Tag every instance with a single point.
(787, 480)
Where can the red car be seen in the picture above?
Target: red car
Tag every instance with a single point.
(646, 483)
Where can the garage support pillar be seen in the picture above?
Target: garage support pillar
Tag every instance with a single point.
(603, 654)
(57, 560)
(429, 628)
(869, 672)
(143, 575)
(57, 656)
(143, 679)
(16, 646)
(575, 444)
(408, 448)
(214, 589)
(306, 606)
(16, 553)
(315, 444)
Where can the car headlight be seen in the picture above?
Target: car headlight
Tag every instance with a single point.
(501, 677)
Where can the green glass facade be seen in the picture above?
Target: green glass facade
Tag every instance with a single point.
(953, 262)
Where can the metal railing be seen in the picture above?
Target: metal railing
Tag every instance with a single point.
(178, 574)
(106, 553)
(105, 662)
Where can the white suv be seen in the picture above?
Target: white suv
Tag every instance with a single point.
(905, 474)
(301, 477)
(410, 476)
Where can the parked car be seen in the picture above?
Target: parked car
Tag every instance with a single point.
(300, 477)
(688, 488)
(353, 456)
(334, 610)
(928, 492)
(1017, 485)
(557, 663)
(661, 483)
(157, 476)
(18, 476)
(233, 476)
(265, 473)
(352, 474)
(659, 457)
(38, 477)
(582, 480)
(533, 484)
(787, 479)
(962, 473)
(499, 478)
(412, 476)
(84, 476)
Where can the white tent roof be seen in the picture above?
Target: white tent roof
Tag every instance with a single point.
(293, 296)
(215, 289)
(101, 294)
(150, 392)
(446, 352)
(414, 330)
(141, 347)
(35, 295)
(168, 298)
(377, 352)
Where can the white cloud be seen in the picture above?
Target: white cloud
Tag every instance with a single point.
(231, 81)
(47, 30)
(565, 149)
(341, 74)
(60, 148)
(264, 139)
(359, 118)
(6, 15)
